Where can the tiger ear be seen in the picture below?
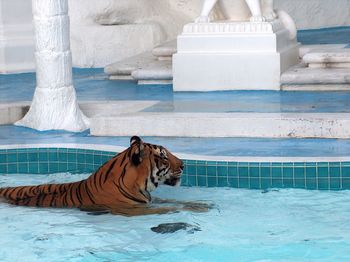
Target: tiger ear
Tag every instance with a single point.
(138, 153)
(135, 139)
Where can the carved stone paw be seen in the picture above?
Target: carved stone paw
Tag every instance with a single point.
(202, 19)
(271, 16)
(258, 19)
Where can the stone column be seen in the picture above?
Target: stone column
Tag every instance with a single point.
(54, 105)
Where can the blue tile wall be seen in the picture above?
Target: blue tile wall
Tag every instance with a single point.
(253, 175)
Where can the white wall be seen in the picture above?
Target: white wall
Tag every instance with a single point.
(16, 36)
(104, 31)
(317, 13)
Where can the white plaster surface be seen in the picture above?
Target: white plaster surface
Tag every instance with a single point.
(106, 31)
(16, 36)
(54, 105)
(270, 125)
(232, 56)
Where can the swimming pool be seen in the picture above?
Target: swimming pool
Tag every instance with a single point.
(244, 225)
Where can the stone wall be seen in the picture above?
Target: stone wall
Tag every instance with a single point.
(105, 31)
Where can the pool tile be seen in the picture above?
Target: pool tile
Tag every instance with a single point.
(322, 171)
(211, 171)
(277, 182)
(191, 170)
(89, 158)
(53, 156)
(300, 183)
(3, 158)
(243, 182)
(288, 183)
(266, 183)
(53, 167)
(12, 158)
(12, 168)
(3, 168)
(43, 156)
(243, 172)
(23, 168)
(276, 172)
(33, 167)
(97, 159)
(265, 172)
(311, 183)
(335, 183)
(233, 182)
(323, 183)
(311, 172)
(299, 173)
(201, 170)
(223, 182)
(212, 182)
(254, 172)
(346, 183)
(43, 167)
(222, 171)
(191, 181)
(22, 157)
(334, 171)
(288, 173)
(202, 181)
(62, 156)
(232, 172)
(33, 157)
(254, 183)
(72, 166)
(345, 172)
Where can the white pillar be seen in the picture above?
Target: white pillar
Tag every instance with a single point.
(54, 104)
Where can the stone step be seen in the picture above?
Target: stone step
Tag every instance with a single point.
(166, 50)
(124, 68)
(304, 49)
(315, 79)
(328, 59)
(156, 72)
(266, 125)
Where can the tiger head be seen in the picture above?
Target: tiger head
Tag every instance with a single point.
(161, 166)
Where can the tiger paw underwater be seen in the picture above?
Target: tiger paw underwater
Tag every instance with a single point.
(121, 186)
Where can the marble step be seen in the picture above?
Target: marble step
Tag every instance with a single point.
(305, 49)
(124, 68)
(165, 51)
(315, 79)
(156, 72)
(266, 125)
(328, 59)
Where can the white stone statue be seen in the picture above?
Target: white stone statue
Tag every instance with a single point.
(260, 11)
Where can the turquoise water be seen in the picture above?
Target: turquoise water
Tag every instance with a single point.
(245, 225)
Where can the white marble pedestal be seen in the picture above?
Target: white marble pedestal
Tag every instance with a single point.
(232, 56)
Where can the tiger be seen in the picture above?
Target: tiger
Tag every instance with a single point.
(122, 185)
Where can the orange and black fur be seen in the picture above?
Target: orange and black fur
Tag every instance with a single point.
(122, 185)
